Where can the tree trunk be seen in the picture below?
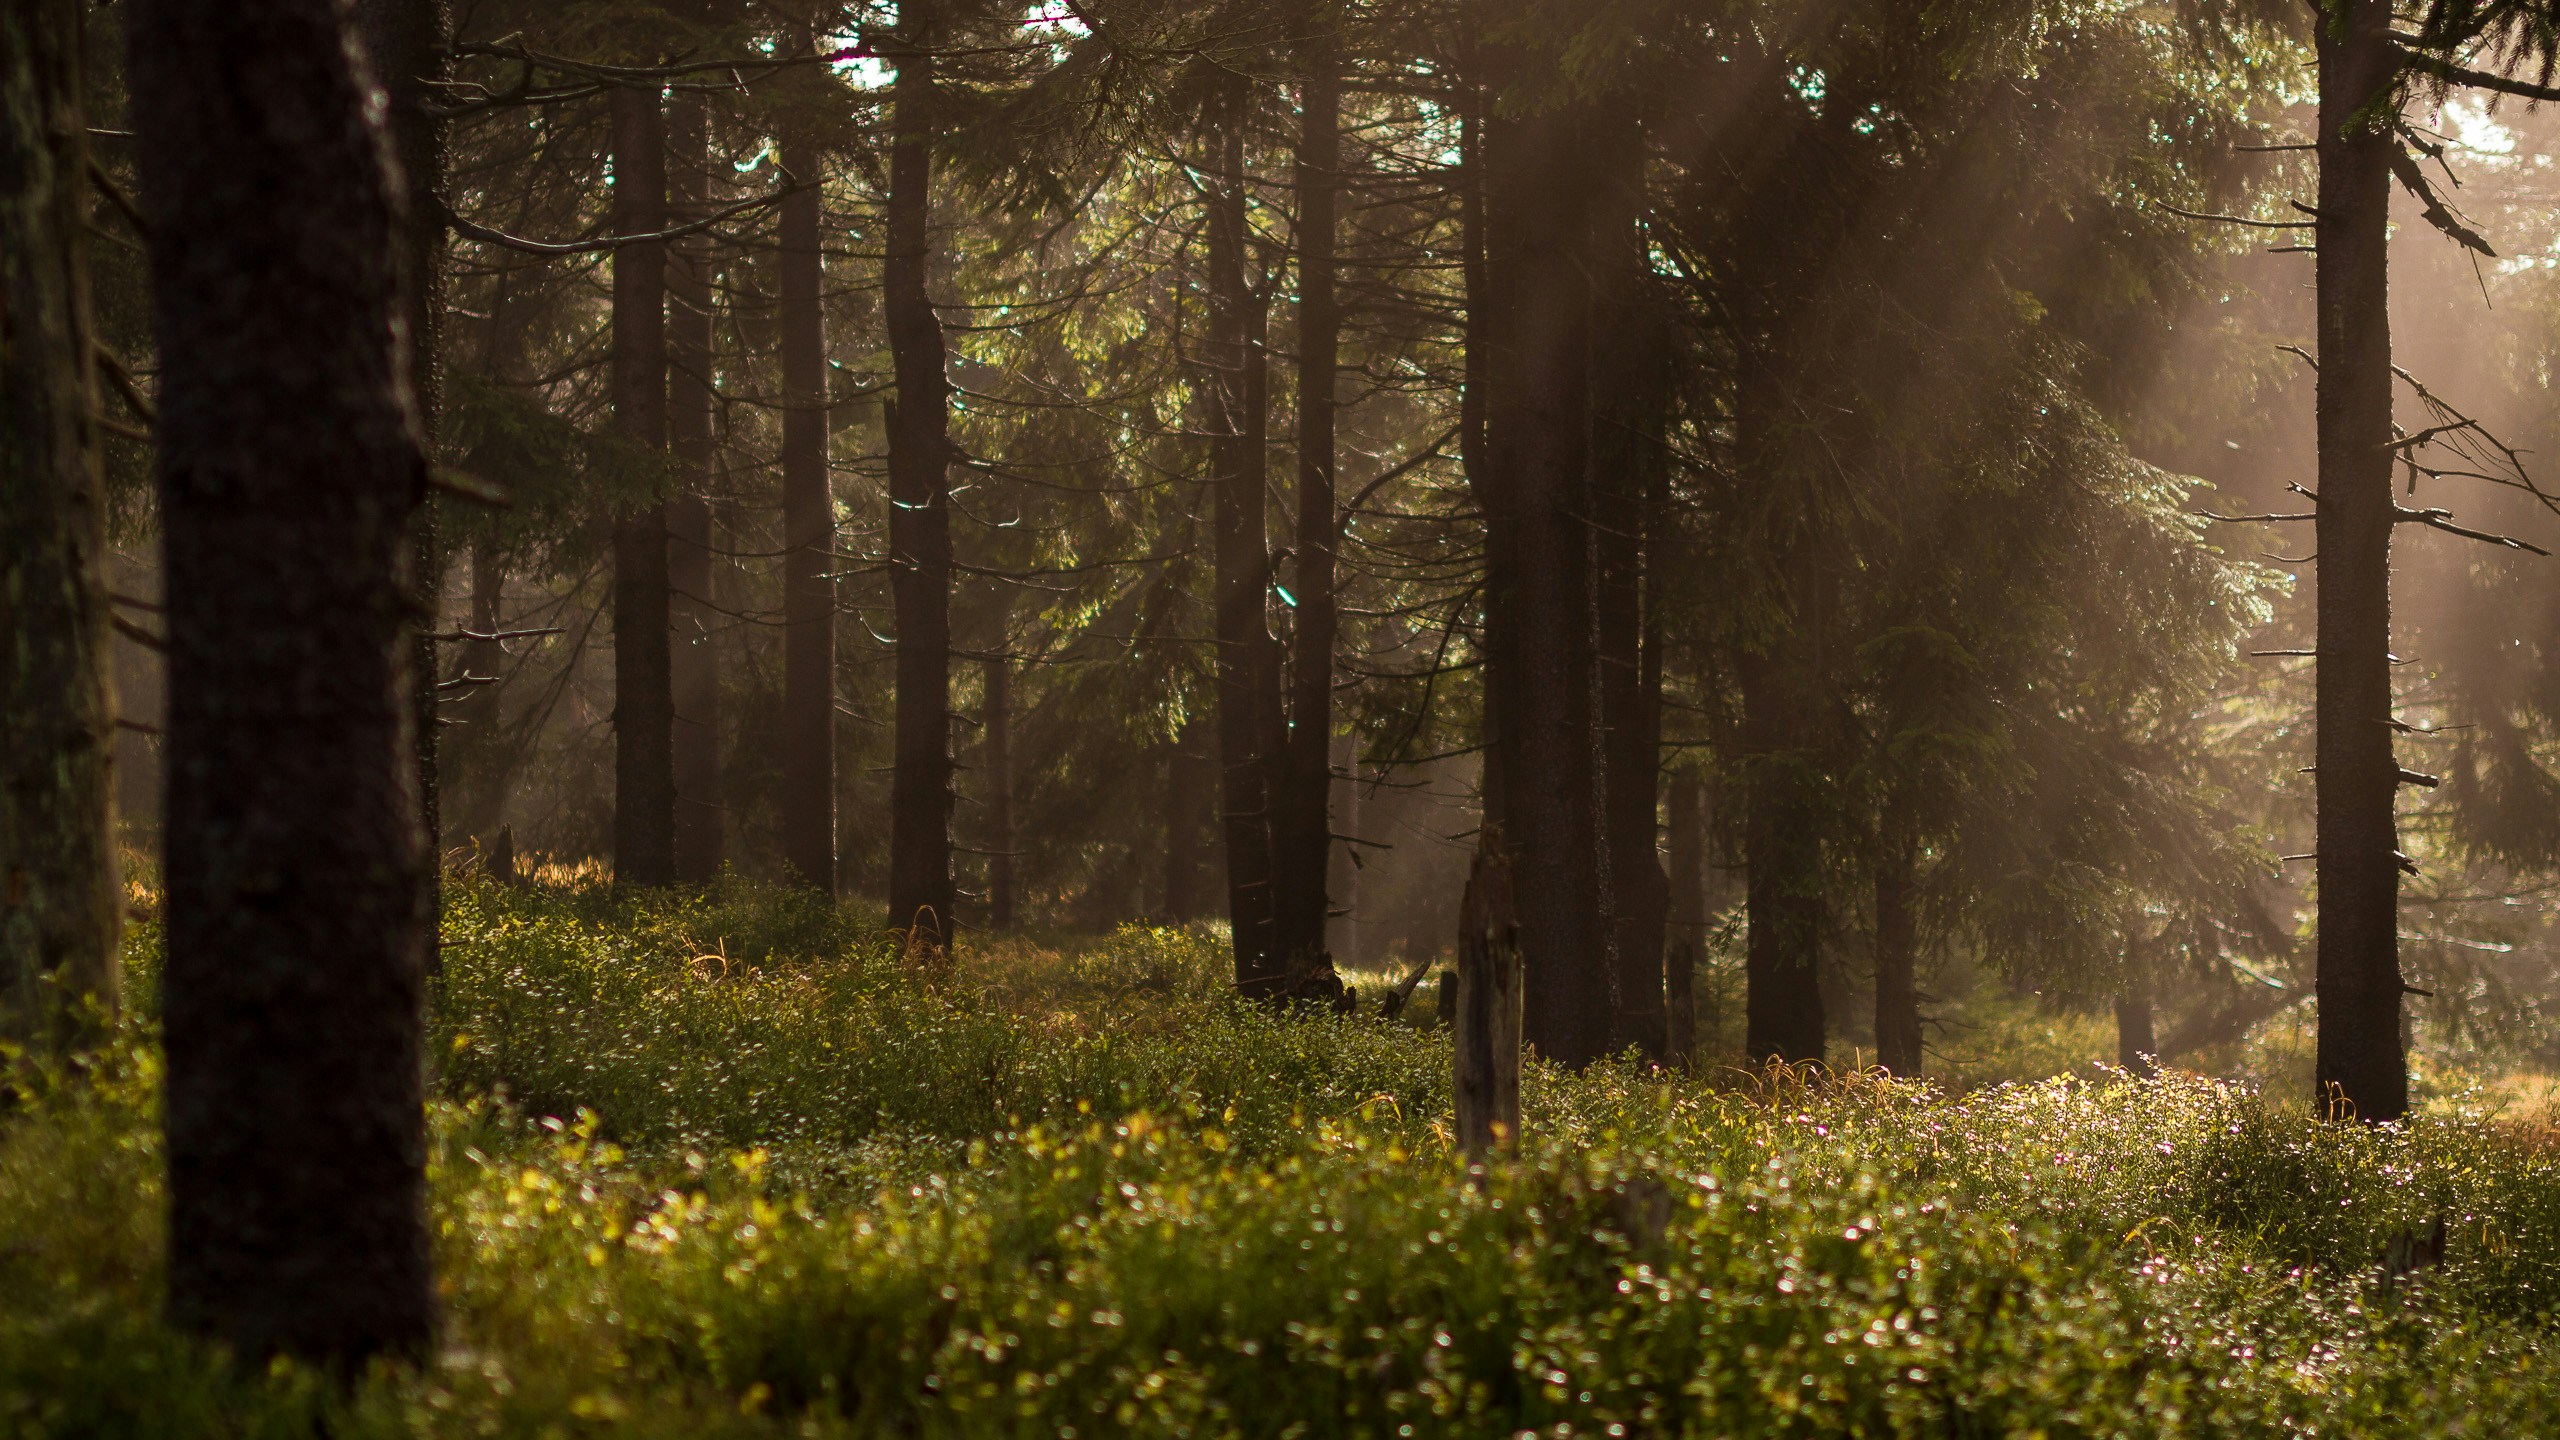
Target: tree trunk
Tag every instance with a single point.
(1686, 890)
(999, 781)
(2362, 1065)
(1487, 1032)
(1630, 472)
(1487, 483)
(1343, 931)
(290, 464)
(920, 795)
(1192, 875)
(1249, 719)
(406, 41)
(475, 772)
(1782, 829)
(2137, 1047)
(1302, 826)
(644, 787)
(808, 811)
(1686, 804)
(1542, 232)
(1898, 1047)
(60, 887)
(692, 411)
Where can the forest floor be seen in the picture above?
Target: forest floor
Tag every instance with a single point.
(726, 1165)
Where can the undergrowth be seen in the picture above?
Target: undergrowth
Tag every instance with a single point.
(1077, 1192)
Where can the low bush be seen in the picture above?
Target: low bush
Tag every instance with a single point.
(1077, 1192)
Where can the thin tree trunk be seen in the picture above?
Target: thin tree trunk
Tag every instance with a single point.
(1898, 1047)
(60, 887)
(1686, 804)
(1302, 825)
(290, 464)
(406, 42)
(2137, 1047)
(692, 410)
(1192, 874)
(1249, 720)
(2362, 1064)
(1343, 930)
(808, 809)
(644, 791)
(920, 794)
(1487, 483)
(475, 772)
(998, 723)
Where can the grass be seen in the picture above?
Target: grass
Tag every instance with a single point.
(1075, 1191)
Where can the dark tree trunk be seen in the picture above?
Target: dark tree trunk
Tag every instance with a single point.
(1249, 719)
(692, 409)
(290, 465)
(920, 795)
(2137, 1047)
(1898, 1047)
(1686, 804)
(998, 723)
(2362, 1065)
(1301, 828)
(1782, 828)
(1544, 239)
(476, 775)
(1686, 901)
(1192, 874)
(1343, 928)
(60, 890)
(644, 787)
(1782, 856)
(808, 810)
(1630, 472)
(1487, 483)
(406, 41)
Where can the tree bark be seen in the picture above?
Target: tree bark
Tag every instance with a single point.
(1486, 1037)
(476, 765)
(2361, 1066)
(692, 411)
(1344, 936)
(644, 789)
(1249, 716)
(1192, 876)
(920, 793)
(2137, 1047)
(290, 464)
(808, 813)
(1778, 676)
(1301, 828)
(1487, 482)
(406, 41)
(1686, 819)
(998, 724)
(1898, 1045)
(1542, 236)
(1630, 472)
(60, 884)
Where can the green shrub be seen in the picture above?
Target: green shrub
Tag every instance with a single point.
(1075, 1191)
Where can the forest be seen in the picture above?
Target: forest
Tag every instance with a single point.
(1279, 718)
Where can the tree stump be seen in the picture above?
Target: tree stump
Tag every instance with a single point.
(1488, 1020)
